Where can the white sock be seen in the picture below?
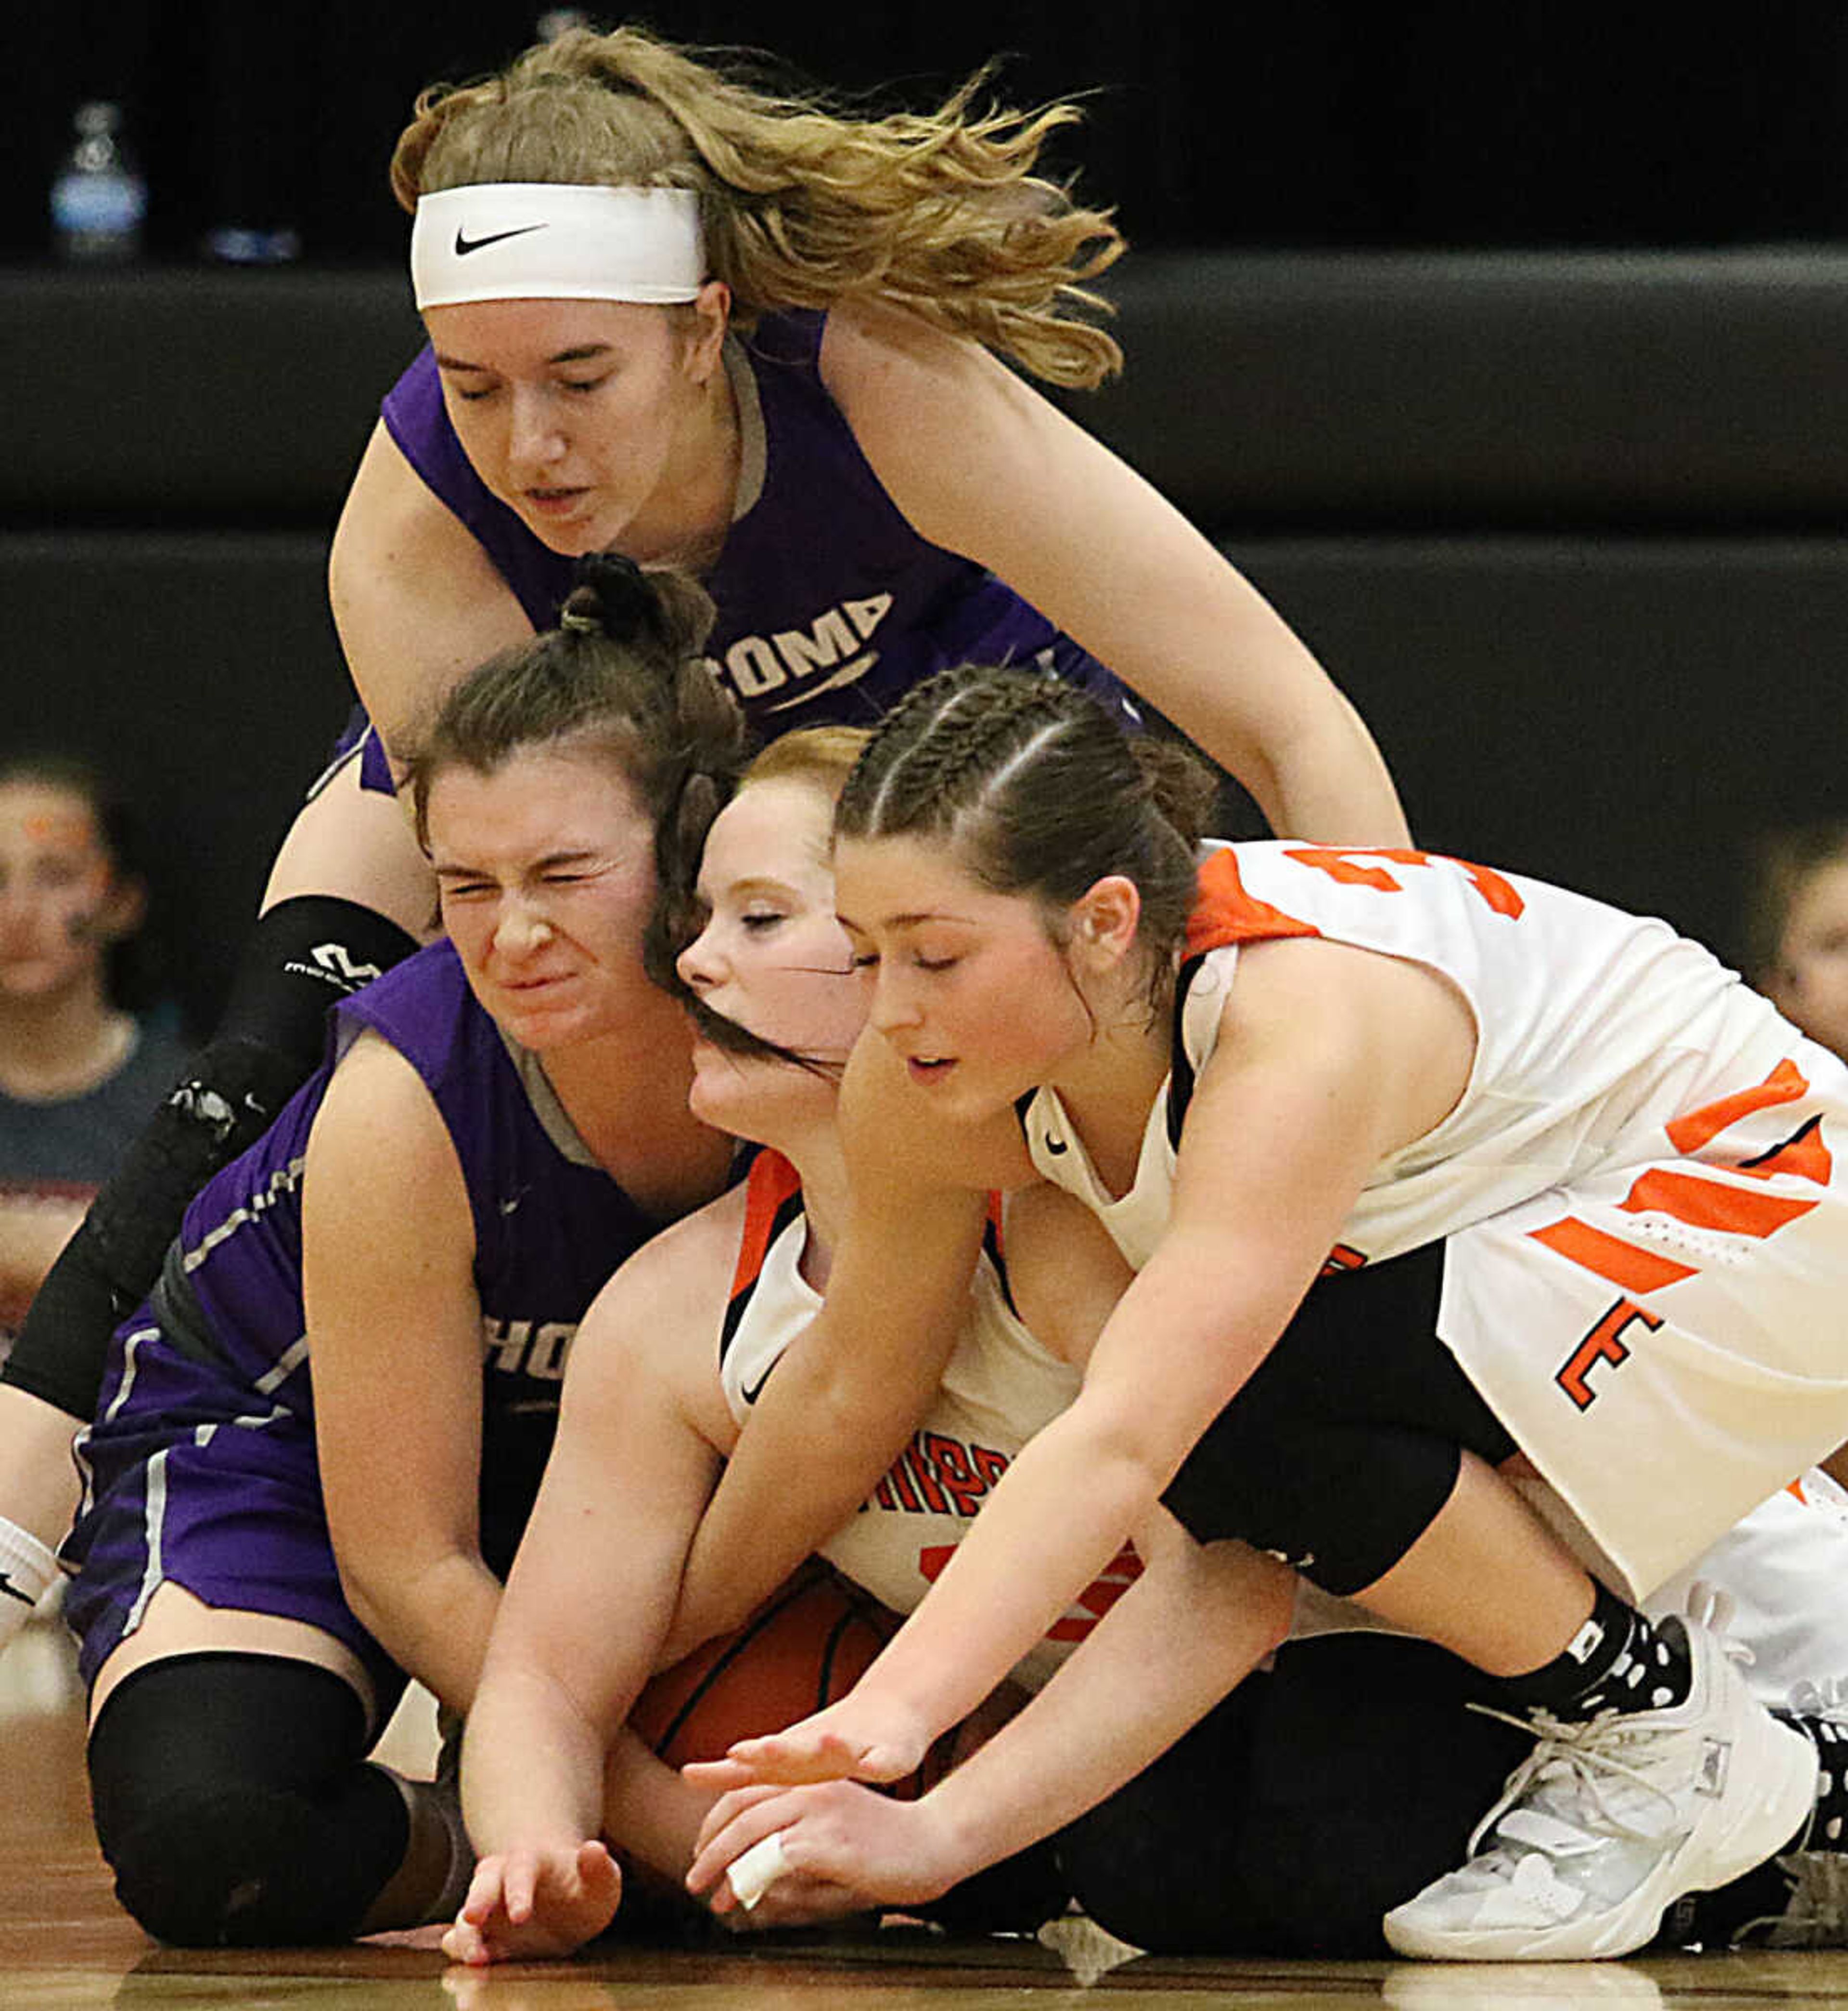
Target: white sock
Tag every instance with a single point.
(27, 1571)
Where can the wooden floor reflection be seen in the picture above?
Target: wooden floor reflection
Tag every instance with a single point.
(64, 1945)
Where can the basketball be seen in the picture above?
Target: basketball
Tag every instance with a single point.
(805, 1647)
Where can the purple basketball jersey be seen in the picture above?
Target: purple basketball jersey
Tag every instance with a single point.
(830, 606)
(201, 1463)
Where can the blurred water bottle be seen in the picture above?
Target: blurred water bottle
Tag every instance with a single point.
(98, 197)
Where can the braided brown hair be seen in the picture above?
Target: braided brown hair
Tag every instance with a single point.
(1039, 792)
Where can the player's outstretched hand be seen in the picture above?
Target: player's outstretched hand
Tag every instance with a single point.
(836, 1835)
(525, 1905)
(856, 1739)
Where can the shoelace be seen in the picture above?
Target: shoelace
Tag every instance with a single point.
(1577, 1750)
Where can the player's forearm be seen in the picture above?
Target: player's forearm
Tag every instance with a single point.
(432, 1617)
(813, 1451)
(1330, 784)
(532, 1766)
(648, 1810)
(1052, 1526)
(1188, 1631)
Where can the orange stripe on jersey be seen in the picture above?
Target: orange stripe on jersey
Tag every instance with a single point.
(1711, 1204)
(1784, 1084)
(769, 1184)
(1610, 1256)
(1804, 1153)
(1223, 912)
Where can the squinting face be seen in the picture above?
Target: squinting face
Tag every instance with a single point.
(967, 985)
(772, 957)
(1811, 984)
(59, 901)
(570, 411)
(546, 877)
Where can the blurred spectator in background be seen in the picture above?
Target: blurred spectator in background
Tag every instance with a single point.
(1796, 927)
(80, 1071)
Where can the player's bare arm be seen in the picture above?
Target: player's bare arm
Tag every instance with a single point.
(983, 463)
(549, 1771)
(416, 600)
(1197, 1621)
(394, 1329)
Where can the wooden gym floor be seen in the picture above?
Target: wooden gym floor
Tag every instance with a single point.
(65, 1946)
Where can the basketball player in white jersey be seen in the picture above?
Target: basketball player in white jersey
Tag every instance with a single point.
(1603, 1168)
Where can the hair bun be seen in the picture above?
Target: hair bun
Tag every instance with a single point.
(613, 594)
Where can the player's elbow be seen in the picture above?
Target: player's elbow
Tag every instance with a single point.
(384, 1582)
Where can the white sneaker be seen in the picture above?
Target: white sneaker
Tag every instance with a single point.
(1605, 1825)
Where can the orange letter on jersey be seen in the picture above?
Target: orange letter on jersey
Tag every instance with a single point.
(1603, 1343)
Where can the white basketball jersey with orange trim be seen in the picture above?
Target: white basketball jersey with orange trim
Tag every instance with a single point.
(1647, 1268)
(1000, 1386)
(1594, 1027)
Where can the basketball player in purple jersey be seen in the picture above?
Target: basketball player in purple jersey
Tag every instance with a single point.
(373, 1303)
(869, 491)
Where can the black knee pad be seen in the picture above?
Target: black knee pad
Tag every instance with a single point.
(305, 955)
(233, 1802)
(1342, 1505)
(1345, 1442)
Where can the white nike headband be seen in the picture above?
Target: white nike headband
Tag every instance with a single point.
(555, 241)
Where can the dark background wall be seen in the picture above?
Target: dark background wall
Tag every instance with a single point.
(1507, 348)
(1316, 121)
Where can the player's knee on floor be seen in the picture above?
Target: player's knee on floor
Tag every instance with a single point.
(240, 1867)
(233, 1806)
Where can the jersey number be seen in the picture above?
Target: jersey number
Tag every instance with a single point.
(1351, 869)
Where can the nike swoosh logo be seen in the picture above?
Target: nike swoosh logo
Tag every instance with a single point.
(848, 673)
(465, 245)
(755, 1390)
(26, 1599)
(1054, 1146)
